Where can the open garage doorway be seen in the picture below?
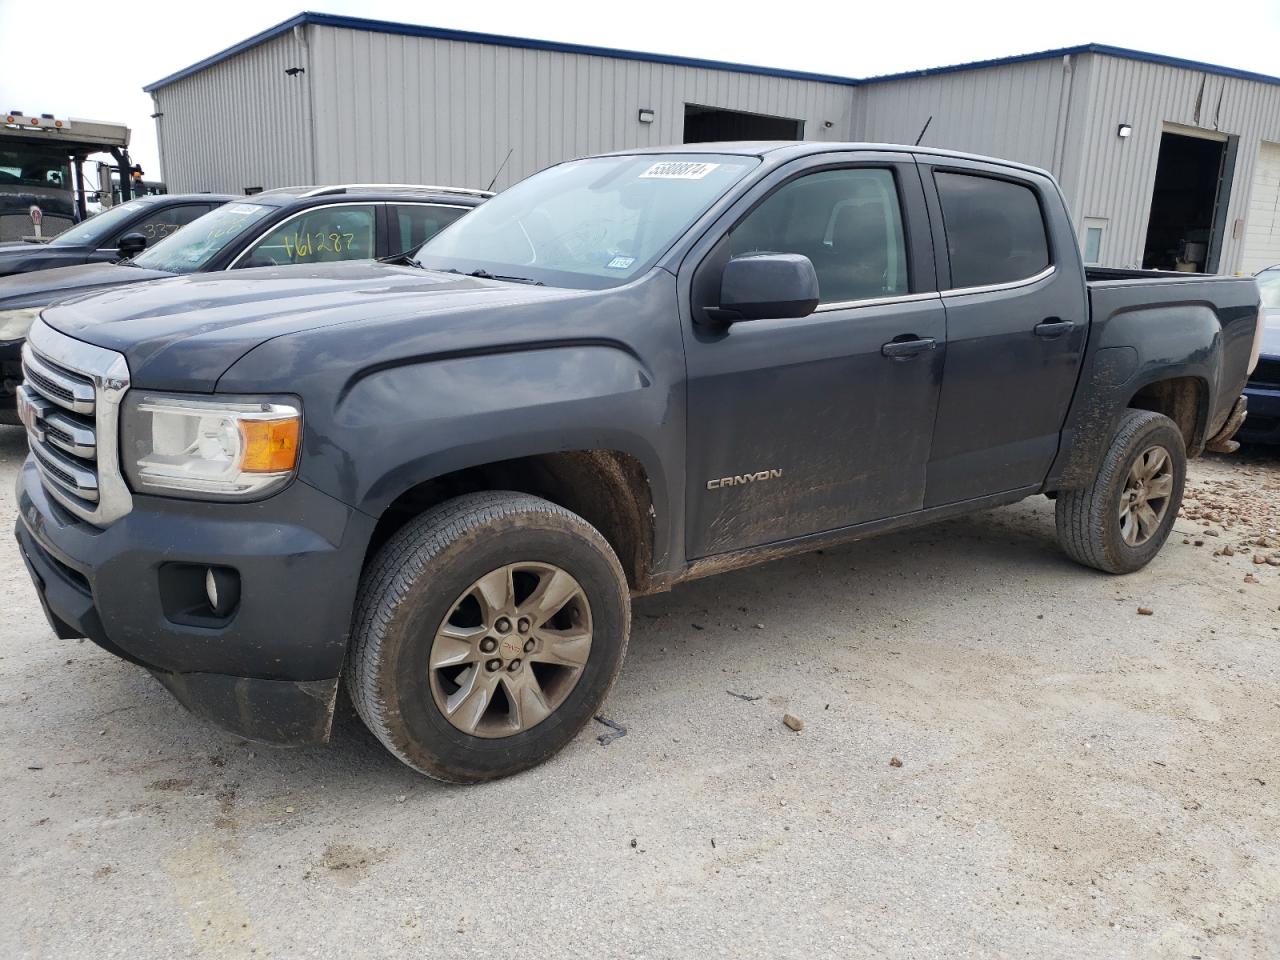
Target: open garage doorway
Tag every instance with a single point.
(1189, 203)
(712, 124)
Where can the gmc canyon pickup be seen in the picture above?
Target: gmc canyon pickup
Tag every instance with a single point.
(440, 480)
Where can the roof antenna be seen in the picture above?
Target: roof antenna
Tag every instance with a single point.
(504, 163)
(922, 130)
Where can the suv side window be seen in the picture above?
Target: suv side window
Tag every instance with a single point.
(413, 224)
(995, 229)
(324, 235)
(847, 222)
(161, 223)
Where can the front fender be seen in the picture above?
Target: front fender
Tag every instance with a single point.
(391, 403)
(468, 411)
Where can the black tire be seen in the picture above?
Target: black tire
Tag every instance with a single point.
(408, 591)
(1088, 520)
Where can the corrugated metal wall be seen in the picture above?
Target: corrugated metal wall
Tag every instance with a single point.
(1118, 174)
(237, 124)
(394, 108)
(1009, 111)
(459, 107)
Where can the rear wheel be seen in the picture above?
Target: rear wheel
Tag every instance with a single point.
(1119, 522)
(488, 632)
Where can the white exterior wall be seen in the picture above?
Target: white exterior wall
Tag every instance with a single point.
(385, 107)
(460, 106)
(1118, 175)
(1011, 111)
(236, 124)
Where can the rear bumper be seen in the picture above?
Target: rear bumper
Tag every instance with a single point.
(1222, 442)
(1263, 425)
(269, 672)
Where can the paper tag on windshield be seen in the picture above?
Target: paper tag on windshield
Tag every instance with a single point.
(678, 170)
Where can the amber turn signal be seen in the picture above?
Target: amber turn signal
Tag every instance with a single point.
(270, 446)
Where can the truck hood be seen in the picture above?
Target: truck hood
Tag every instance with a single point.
(19, 257)
(41, 287)
(183, 333)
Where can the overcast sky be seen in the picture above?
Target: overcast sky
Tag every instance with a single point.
(91, 59)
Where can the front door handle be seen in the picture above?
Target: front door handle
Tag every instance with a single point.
(1053, 327)
(902, 348)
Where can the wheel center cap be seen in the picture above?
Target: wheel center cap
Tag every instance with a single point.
(510, 647)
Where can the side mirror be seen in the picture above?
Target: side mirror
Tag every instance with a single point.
(766, 286)
(131, 244)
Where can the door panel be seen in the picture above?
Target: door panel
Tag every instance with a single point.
(815, 399)
(1013, 344)
(796, 426)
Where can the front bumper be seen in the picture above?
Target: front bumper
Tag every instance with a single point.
(270, 671)
(1263, 425)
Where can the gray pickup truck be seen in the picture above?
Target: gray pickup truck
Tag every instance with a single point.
(441, 480)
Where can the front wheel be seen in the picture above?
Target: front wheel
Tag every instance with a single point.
(1119, 522)
(488, 631)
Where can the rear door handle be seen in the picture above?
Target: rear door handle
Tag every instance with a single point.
(901, 349)
(1053, 327)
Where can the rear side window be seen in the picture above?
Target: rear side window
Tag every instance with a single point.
(995, 230)
(413, 224)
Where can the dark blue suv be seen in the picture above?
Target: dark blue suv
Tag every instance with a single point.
(1263, 389)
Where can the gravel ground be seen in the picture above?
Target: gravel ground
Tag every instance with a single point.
(1076, 779)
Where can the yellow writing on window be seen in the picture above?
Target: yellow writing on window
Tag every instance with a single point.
(299, 246)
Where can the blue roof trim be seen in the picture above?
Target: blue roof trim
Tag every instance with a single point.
(1098, 48)
(491, 39)
(525, 43)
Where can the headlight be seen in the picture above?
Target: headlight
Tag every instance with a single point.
(14, 324)
(210, 448)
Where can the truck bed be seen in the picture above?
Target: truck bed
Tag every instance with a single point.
(1177, 311)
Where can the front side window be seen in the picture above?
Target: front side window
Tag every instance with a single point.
(587, 224)
(995, 229)
(847, 222)
(168, 221)
(413, 224)
(323, 235)
(192, 250)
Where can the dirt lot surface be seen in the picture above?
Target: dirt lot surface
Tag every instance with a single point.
(1072, 778)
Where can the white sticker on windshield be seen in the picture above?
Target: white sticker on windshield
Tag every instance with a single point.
(678, 170)
(620, 263)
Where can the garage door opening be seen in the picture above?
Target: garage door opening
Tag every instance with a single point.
(1188, 204)
(711, 124)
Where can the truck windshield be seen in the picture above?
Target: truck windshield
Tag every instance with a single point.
(590, 224)
(97, 230)
(191, 248)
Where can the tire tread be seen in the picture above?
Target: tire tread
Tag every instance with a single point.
(400, 562)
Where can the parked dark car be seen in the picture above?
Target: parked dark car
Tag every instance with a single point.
(1263, 389)
(441, 480)
(120, 231)
(295, 225)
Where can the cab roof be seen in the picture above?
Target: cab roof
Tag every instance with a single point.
(780, 151)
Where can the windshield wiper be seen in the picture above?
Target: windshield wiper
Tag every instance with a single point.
(483, 274)
(403, 259)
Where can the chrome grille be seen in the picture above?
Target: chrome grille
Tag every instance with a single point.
(70, 404)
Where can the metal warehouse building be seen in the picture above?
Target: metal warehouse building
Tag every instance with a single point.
(1164, 162)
